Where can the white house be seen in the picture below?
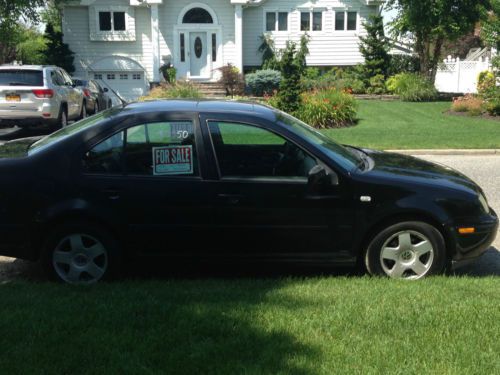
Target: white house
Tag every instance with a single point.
(124, 42)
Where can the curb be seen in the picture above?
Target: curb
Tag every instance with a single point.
(471, 152)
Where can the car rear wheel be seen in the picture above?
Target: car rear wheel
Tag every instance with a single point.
(408, 250)
(83, 113)
(96, 108)
(63, 118)
(81, 254)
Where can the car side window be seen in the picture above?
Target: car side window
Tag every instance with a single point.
(162, 148)
(106, 157)
(159, 149)
(56, 78)
(244, 150)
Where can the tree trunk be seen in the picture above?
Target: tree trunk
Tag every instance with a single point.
(436, 56)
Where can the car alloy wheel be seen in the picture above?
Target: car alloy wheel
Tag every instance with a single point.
(407, 254)
(407, 250)
(80, 258)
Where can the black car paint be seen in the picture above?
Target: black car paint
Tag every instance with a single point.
(209, 216)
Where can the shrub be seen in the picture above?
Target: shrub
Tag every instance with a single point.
(468, 103)
(327, 109)
(412, 87)
(263, 82)
(403, 64)
(492, 102)
(169, 73)
(377, 85)
(312, 73)
(232, 80)
(486, 82)
(288, 98)
(177, 90)
(335, 78)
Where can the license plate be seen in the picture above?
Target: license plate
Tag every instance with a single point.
(13, 98)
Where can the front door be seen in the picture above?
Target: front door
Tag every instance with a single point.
(198, 53)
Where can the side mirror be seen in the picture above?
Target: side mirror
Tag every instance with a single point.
(321, 177)
(105, 89)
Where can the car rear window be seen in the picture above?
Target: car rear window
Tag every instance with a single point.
(21, 77)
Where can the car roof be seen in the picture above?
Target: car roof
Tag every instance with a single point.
(203, 106)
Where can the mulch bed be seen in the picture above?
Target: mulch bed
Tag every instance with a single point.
(466, 114)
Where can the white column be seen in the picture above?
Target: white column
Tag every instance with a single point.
(238, 36)
(155, 40)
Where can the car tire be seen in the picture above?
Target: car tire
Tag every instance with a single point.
(80, 253)
(62, 119)
(96, 108)
(83, 113)
(407, 250)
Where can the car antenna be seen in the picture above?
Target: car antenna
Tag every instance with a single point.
(123, 101)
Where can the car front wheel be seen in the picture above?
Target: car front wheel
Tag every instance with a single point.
(80, 254)
(408, 250)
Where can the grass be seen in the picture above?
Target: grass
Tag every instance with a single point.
(317, 325)
(399, 125)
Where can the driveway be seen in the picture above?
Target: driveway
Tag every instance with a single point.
(483, 169)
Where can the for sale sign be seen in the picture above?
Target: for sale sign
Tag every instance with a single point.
(173, 160)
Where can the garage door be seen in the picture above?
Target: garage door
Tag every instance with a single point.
(129, 84)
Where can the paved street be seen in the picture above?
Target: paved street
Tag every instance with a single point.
(484, 169)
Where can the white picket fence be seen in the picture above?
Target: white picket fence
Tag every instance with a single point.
(458, 76)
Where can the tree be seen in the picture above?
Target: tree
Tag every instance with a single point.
(432, 22)
(374, 47)
(11, 12)
(58, 53)
(288, 98)
(490, 31)
(32, 47)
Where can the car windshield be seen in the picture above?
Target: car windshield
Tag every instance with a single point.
(341, 155)
(21, 77)
(66, 132)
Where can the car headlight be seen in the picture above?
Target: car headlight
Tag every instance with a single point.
(484, 203)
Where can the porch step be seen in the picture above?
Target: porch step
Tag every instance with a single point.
(210, 89)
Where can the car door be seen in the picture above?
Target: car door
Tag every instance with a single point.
(74, 96)
(148, 177)
(265, 207)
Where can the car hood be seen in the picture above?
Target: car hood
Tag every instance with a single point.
(409, 169)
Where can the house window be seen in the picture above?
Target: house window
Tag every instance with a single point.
(123, 76)
(214, 47)
(197, 15)
(352, 20)
(110, 76)
(97, 76)
(183, 48)
(311, 21)
(112, 21)
(136, 76)
(276, 21)
(339, 21)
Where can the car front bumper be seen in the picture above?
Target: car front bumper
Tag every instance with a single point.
(472, 246)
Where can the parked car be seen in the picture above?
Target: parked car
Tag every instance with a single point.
(34, 95)
(233, 181)
(96, 96)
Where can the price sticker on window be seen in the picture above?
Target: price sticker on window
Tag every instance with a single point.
(173, 160)
(180, 131)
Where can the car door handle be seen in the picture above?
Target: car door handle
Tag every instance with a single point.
(231, 198)
(112, 194)
(318, 197)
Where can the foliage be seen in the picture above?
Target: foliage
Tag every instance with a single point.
(289, 98)
(432, 22)
(263, 82)
(412, 87)
(327, 109)
(52, 13)
(486, 82)
(58, 53)
(312, 73)
(462, 46)
(181, 90)
(403, 64)
(374, 48)
(377, 85)
(232, 80)
(11, 13)
(169, 72)
(492, 104)
(268, 51)
(468, 103)
(31, 48)
(343, 79)
(490, 28)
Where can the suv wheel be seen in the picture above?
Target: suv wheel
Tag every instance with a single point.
(96, 108)
(83, 113)
(63, 117)
(80, 254)
(408, 250)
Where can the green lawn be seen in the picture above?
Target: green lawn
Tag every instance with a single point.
(399, 125)
(315, 325)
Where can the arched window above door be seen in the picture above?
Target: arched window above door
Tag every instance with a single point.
(197, 15)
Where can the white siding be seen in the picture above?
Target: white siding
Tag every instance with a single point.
(77, 35)
(327, 47)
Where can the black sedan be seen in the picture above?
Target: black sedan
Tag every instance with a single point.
(229, 181)
(95, 96)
